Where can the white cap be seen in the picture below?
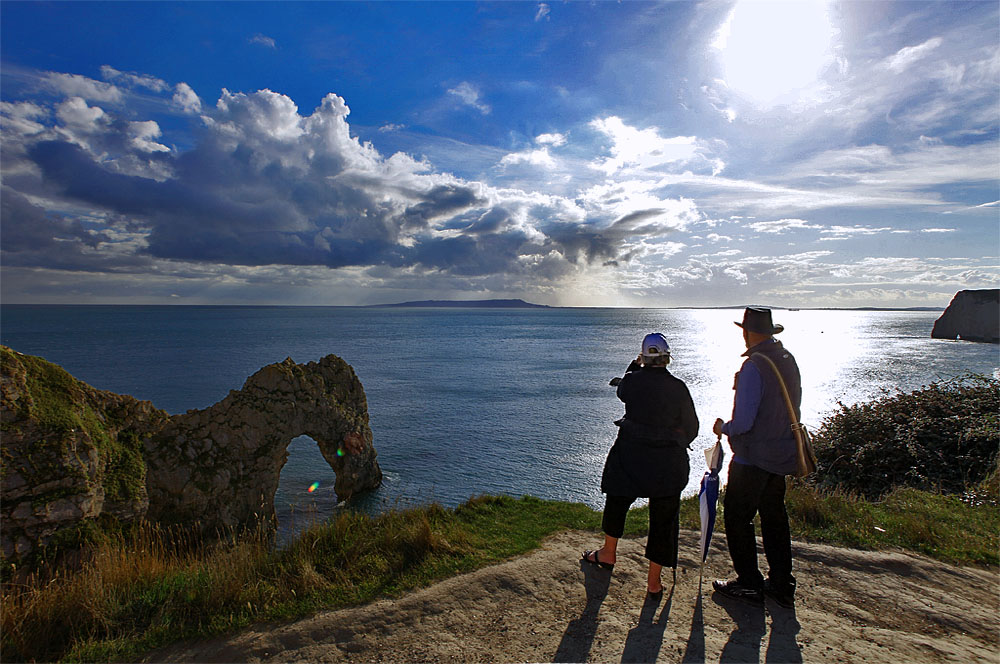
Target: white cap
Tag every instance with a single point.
(655, 345)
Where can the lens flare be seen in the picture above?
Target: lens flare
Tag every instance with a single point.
(340, 451)
(313, 487)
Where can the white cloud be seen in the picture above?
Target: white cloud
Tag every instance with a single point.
(20, 117)
(554, 139)
(539, 158)
(134, 80)
(77, 116)
(391, 127)
(543, 12)
(186, 99)
(143, 133)
(81, 86)
(937, 230)
(904, 57)
(263, 40)
(469, 95)
(781, 225)
(644, 149)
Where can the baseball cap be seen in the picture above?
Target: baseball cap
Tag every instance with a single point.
(655, 345)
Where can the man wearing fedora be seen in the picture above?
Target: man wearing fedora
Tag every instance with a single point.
(764, 451)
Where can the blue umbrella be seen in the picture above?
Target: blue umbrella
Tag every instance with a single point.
(708, 497)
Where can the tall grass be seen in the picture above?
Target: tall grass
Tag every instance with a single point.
(149, 587)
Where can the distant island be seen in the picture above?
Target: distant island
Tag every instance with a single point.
(478, 304)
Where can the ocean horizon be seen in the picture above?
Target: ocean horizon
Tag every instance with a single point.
(478, 400)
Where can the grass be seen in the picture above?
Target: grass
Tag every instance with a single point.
(149, 587)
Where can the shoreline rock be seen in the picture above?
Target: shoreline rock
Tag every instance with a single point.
(972, 315)
(76, 458)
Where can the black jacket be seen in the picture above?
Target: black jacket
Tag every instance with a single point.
(650, 457)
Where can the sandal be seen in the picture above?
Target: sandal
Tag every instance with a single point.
(596, 560)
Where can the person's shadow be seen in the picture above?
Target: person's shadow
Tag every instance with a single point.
(782, 648)
(644, 640)
(744, 641)
(578, 638)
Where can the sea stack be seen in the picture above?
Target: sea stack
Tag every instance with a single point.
(973, 315)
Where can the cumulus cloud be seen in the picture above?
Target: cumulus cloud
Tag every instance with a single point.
(539, 158)
(553, 139)
(22, 118)
(469, 95)
(186, 99)
(142, 135)
(81, 86)
(267, 185)
(635, 149)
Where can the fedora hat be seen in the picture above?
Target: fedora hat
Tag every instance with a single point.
(758, 319)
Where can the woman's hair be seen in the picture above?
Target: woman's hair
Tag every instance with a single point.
(656, 361)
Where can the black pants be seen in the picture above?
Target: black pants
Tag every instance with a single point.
(664, 525)
(752, 490)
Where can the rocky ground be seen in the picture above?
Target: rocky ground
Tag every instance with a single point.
(852, 606)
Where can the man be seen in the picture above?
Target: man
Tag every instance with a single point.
(764, 451)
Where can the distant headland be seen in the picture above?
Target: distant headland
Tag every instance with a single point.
(478, 304)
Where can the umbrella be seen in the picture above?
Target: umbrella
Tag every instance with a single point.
(708, 497)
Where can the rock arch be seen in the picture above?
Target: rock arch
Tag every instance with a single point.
(219, 467)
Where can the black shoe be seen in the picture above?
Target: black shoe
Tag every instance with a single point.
(737, 590)
(783, 596)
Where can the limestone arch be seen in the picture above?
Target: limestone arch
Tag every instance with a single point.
(219, 467)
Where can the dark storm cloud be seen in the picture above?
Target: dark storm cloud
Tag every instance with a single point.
(265, 185)
(27, 227)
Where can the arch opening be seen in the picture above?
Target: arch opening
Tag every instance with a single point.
(305, 493)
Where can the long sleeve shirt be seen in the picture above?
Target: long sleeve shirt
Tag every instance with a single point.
(749, 389)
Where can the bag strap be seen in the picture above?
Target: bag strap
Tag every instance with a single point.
(784, 389)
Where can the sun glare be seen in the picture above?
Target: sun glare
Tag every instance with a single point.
(770, 52)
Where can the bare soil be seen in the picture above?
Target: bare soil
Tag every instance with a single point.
(548, 606)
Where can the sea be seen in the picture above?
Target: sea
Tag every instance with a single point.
(472, 401)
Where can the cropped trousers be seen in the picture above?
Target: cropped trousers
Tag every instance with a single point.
(752, 490)
(664, 525)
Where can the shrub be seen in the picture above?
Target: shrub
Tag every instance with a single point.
(943, 437)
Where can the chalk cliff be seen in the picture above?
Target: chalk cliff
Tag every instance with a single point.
(74, 457)
(70, 453)
(972, 315)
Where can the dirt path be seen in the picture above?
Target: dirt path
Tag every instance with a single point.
(852, 606)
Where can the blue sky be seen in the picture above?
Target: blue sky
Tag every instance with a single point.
(616, 154)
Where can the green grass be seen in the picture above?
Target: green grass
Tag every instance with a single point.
(151, 587)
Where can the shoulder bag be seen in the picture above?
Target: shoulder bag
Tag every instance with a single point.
(805, 457)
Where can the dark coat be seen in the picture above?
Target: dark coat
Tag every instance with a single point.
(650, 458)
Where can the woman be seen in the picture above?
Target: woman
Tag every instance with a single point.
(648, 460)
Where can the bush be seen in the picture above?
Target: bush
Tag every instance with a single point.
(941, 438)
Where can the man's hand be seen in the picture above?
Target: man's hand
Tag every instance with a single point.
(717, 427)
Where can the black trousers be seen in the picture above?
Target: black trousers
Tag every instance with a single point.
(664, 525)
(752, 490)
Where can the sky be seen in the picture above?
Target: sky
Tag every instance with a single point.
(641, 154)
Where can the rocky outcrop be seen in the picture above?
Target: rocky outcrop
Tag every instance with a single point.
(219, 467)
(973, 315)
(70, 453)
(74, 457)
